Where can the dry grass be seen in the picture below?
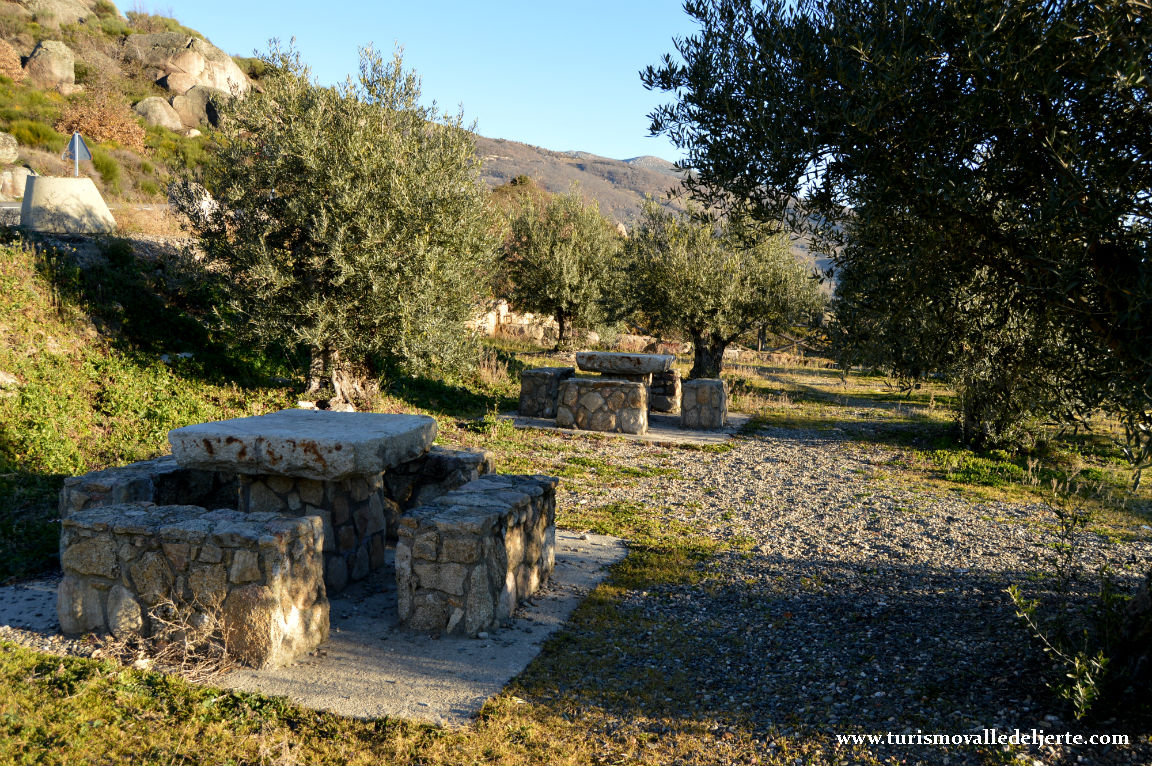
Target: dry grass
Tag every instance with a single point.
(152, 220)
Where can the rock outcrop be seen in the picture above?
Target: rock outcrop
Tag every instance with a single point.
(197, 107)
(193, 61)
(9, 148)
(157, 111)
(51, 66)
(57, 12)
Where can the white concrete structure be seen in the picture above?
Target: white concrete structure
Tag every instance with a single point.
(65, 206)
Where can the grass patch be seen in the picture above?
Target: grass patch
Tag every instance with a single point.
(37, 135)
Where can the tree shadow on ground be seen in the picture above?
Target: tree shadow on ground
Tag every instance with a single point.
(153, 300)
(29, 523)
(441, 398)
(804, 649)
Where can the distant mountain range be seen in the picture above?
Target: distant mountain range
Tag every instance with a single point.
(618, 185)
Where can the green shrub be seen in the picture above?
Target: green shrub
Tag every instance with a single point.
(19, 102)
(964, 467)
(37, 135)
(150, 22)
(174, 150)
(253, 67)
(108, 168)
(148, 188)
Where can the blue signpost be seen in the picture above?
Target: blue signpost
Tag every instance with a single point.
(77, 150)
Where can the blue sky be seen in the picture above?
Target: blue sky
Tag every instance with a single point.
(562, 75)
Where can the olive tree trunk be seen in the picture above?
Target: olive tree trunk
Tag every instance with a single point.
(708, 356)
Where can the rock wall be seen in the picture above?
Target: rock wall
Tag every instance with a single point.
(540, 390)
(603, 405)
(704, 404)
(257, 576)
(464, 561)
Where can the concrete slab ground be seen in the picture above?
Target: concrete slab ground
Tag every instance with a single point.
(663, 430)
(369, 668)
(30, 605)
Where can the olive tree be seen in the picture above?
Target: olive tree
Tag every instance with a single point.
(978, 170)
(350, 220)
(715, 281)
(557, 258)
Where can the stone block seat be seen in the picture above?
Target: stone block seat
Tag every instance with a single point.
(258, 576)
(598, 404)
(161, 481)
(664, 393)
(540, 390)
(465, 560)
(704, 404)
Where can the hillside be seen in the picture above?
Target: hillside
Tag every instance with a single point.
(618, 185)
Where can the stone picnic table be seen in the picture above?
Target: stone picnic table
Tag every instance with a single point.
(316, 497)
(635, 367)
(304, 444)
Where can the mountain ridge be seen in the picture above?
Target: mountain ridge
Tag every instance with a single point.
(619, 186)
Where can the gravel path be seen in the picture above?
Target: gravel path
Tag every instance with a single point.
(863, 605)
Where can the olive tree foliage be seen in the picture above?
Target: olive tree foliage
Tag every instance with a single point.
(557, 258)
(714, 281)
(350, 220)
(979, 171)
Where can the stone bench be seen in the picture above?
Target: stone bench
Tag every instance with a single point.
(162, 481)
(653, 370)
(599, 404)
(540, 389)
(704, 404)
(258, 576)
(464, 561)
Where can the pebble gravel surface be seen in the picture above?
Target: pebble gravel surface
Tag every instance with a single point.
(856, 602)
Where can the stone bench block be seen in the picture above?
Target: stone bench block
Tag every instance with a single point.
(603, 405)
(622, 363)
(258, 575)
(309, 444)
(664, 393)
(464, 561)
(704, 404)
(423, 479)
(539, 390)
(162, 481)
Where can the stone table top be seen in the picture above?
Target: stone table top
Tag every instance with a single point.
(306, 444)
(628, 364)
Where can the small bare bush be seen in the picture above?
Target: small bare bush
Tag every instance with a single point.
(187, 639)
(103, 116)
(491, 369)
